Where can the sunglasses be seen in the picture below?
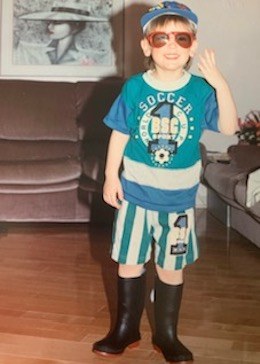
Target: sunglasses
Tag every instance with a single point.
(160, 39)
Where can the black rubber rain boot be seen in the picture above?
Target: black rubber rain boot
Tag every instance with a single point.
(130, 305)
(166, 308)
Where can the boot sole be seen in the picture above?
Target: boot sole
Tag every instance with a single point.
(111, 355)
(159, 350)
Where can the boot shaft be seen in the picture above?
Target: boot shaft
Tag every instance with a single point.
(130, 305)
(166, 308)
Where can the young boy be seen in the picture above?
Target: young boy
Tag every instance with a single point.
(157, 122)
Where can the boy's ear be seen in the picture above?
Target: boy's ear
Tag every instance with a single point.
(145, 47)
(194, 48)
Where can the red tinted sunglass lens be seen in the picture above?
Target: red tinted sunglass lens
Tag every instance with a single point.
(183, 39)
(158, 40)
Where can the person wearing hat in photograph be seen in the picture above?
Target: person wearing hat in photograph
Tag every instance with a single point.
(65, 20)
(157, 121)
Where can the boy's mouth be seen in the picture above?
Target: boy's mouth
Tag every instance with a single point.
(171, 56)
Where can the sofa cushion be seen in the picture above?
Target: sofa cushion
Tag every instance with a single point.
(20, 150)
(35, 174)
(42, 110)
(240, 193)
(240, 190)
(62, 206)
(253, 188)
(255, 211)
(247, 192)
(39, 188)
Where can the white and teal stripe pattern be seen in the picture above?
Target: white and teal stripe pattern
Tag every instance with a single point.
(135, 230)
(164, 187)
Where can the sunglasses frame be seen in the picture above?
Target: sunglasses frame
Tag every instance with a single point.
(149, 37)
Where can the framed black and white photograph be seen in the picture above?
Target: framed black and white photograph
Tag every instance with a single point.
(62, 38)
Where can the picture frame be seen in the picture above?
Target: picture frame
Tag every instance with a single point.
(27, 52)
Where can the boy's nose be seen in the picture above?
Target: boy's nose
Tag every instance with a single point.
(172, 41)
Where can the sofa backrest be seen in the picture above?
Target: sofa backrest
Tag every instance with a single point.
(35, 110)
(93, 103)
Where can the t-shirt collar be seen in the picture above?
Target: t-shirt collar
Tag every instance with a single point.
(166, 86)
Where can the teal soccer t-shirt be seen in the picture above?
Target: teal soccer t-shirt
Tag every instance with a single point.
(161, 162)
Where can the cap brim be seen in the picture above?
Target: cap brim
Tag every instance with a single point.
(60, 16)
(148, 17)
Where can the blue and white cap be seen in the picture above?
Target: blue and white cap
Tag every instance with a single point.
(168, 8)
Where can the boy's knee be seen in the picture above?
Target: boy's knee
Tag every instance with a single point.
(173, 277)
(130, 271)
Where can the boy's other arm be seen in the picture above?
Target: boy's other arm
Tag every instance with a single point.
(228, 120)
(112, 189)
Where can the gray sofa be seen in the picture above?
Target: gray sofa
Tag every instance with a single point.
(52, 149)
(234, 189)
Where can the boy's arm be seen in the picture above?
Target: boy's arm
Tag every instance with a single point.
(112, 190)
(228, 120)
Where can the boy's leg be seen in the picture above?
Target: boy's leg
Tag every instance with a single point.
(130, 305)
(130, 271)
(131, 249)
(166, 309)
(173, 277)
(175, 248)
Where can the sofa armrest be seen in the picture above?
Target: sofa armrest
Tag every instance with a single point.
(246, 157)
(203, 153)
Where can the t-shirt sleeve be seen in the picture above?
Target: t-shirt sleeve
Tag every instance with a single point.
(211, 113)
(117, 116)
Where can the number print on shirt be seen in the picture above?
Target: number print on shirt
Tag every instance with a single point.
(163, 128)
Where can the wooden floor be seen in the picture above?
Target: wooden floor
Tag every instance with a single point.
(57, 288)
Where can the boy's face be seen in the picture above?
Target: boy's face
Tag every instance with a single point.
(171, 57)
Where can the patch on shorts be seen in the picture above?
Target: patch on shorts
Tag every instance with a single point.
(180, 247)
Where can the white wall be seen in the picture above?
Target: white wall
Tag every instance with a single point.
(232, 28)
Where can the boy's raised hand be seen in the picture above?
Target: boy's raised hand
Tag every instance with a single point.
(113, 192)
(207, 66)
(227, 109)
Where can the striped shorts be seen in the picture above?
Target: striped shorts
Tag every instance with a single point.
(137, 230)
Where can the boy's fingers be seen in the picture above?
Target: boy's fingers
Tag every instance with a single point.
(207, 59)
(112, 200)
(120, 194)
